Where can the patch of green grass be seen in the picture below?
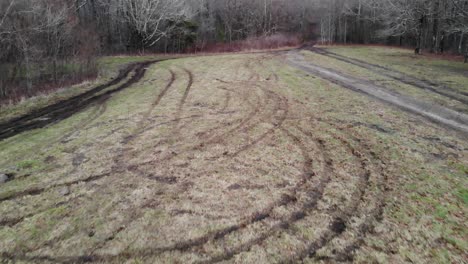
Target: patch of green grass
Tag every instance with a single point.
(441, 212)
(442, 256)
(27, 164)
(462, 193)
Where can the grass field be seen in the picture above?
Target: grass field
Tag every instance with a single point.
(245, 158)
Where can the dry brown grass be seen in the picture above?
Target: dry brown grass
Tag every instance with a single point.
(236, 158)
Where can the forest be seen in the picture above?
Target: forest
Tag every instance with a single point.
(51, 43)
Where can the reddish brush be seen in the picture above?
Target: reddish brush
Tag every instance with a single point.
(253, 43)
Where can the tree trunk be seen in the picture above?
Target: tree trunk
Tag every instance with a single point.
(55, 69)
(420, 35)
(466, 53)
(460, 44)
(27, 68)
(435, 28)
(346, 31)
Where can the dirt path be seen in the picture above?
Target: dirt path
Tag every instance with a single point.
(398, 76)
(64, 109)
(436, 113)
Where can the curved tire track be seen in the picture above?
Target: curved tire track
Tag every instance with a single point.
(66, 108)
(312, 185)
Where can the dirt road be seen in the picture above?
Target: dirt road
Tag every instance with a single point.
(436, 113)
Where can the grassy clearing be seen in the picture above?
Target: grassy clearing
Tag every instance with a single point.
(242, 159)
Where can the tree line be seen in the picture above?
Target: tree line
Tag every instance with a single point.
(433, 25)
(48, 43)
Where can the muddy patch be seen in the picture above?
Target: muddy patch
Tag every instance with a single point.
(64, 109)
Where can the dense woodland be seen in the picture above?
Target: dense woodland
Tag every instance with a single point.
(50, 43)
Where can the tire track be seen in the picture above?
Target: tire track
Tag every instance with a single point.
(435, 113)
(251, 116)
(64, 109)
(133, 215)
(76, 104)
(216, 137)
(97, 112)
(137, 213)
(195, 244)
(315, 194)
(227, 100)
(183, 100)
(141, 125)
(399, 76)
(228, 231)
(300, 201)
(281, 106)
(100, 109)
(338, 225)
(376, 214)
(12, 221)
(241, 122)
(220, 137)
(217, 235)
(261, 216)
(39, 190)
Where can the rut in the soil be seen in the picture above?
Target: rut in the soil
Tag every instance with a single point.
(310, 187)
(336, 227)
(210, 136)
(261, 216)
(13, 221)
(370, 170)
(241, 125)
(183, 100)
(142, 125)
(38, 190)
(119, 160)
(64, 109)
(221, 233)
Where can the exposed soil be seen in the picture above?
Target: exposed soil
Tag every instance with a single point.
(66, 108)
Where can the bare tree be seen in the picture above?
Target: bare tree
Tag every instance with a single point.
(153, 19)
